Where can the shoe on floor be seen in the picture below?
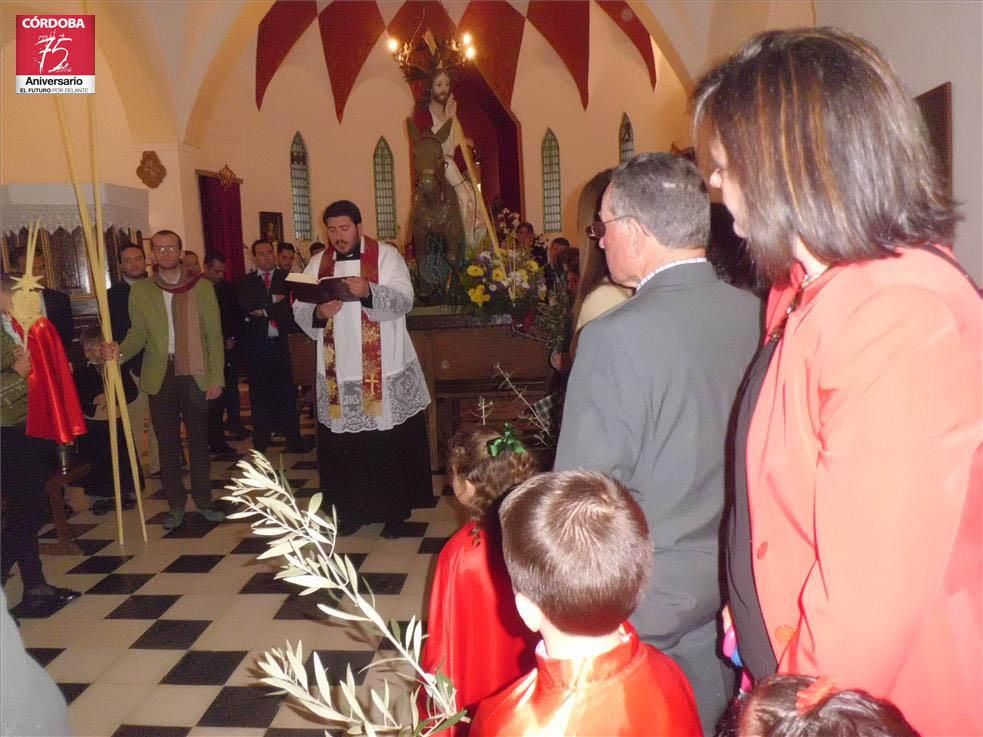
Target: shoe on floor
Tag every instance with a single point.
(48, 599)
(174, 519)
(394, 530)
(155, 474)
(211, 514)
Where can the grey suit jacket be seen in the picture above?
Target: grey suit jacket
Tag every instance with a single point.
(648, 403)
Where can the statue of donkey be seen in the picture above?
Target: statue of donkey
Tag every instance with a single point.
(438, 232)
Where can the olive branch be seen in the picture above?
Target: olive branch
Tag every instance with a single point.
(305, 538)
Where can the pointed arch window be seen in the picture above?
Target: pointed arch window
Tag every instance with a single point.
(626, 140)
(552, 217)
(300, 186)
(385, 190)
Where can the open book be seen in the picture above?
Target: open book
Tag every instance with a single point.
(308, 288)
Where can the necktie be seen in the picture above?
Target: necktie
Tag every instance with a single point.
(266, 281)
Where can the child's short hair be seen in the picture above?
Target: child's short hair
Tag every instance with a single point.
(576, 544)
(771, 711)
(469, 459)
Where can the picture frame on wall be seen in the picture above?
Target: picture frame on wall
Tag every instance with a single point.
(271, 226)
(936, 107)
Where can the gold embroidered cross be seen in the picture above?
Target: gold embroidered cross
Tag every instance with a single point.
(372, 382)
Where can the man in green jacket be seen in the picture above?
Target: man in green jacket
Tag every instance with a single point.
(174, 320)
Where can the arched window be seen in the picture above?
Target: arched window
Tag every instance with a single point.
(626, 140)
(552, 219)
(385, 190)
(300, 186)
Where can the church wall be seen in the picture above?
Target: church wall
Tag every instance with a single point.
(930, 43)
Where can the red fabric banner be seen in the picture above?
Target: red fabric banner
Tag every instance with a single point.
(622, 14)
(497, 30)
(349, 31)
(414, 18)
(221, 220)
(53, 408)
(279, 30)
(565, 24)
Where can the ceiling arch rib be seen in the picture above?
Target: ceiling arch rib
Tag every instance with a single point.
(355, 26)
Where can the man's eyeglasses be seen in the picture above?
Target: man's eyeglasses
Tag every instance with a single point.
(598, 228)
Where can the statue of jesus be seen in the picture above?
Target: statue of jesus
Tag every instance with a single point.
(436, 108)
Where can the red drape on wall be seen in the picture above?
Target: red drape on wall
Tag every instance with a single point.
(499, 27)
(349, 30)
(278, 32)
(565, 24)
(622, 14)
(221, 221)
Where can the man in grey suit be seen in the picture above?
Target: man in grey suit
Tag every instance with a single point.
(649, 399)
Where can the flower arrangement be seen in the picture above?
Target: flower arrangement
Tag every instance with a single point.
(305, 538)
(507, 282)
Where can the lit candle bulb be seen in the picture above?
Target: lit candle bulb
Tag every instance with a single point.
(393, 45)
(469, 52)
(467, 39)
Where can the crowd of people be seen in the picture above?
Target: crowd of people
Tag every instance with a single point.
(804, 494)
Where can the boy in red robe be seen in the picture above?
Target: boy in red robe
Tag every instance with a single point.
(577, 548)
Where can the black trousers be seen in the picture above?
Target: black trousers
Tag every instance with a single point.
(93, 447)
(25, 464)
(227, 404)
(272, 393)
(180, 399)
(376, 475)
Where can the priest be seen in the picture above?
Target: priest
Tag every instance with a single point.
(373, 456)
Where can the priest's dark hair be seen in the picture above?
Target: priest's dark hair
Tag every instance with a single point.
(786, 706)
(165, 231)
(825, 145)
(469, 459)
(342, 208)
(285, 247)
(577, 546)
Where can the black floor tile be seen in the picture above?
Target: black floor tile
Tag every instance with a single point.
(432, 545)
(101, 564)
(411, 529)
(304, 607)
(251, 546)
(74, 528)
(384, 583)
(265, 583)
(193, 564)
(72, 691)
(429, 503)
(143, 607)
(357, 559)
(45, 655)
(281, 732)
(91, 547)
(304, 466)
(335, 664)
(171, 634)
(242, 706)
(204, 668)
(195, 526)
(121, 583)
(142, 730)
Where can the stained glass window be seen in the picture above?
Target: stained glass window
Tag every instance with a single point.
(552, 219)
(626, 140)
(300, 186)
(385, 190)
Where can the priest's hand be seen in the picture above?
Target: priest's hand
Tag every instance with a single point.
(110, 351)
(327, 310)
(214, 392)
(450, 109)
(358, 286)
(22, 361)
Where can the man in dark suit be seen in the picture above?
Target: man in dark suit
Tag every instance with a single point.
(57, 307)
(649, 399)
(268, 321)
(228, 307)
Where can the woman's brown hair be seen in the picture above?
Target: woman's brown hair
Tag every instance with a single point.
(469, 459)
(826, 145)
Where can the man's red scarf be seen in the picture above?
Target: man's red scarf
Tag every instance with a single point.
(371, 339)
(53, 408)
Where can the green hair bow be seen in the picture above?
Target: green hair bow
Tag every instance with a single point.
(506, 441)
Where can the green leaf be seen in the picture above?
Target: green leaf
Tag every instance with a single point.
(315, 503)
(322, 679)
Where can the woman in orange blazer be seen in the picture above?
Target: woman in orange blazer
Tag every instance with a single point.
(855, 534)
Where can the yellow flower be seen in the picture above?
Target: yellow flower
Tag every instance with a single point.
(475, 270)
(523, 275)
(498, 275)
(532, 265)
(478, 295)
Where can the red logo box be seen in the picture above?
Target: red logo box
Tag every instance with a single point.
(56, 53)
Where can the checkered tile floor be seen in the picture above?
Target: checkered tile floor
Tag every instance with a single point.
(163, 642)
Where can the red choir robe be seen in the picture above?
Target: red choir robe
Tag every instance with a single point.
(630, 690)
(475, 635)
